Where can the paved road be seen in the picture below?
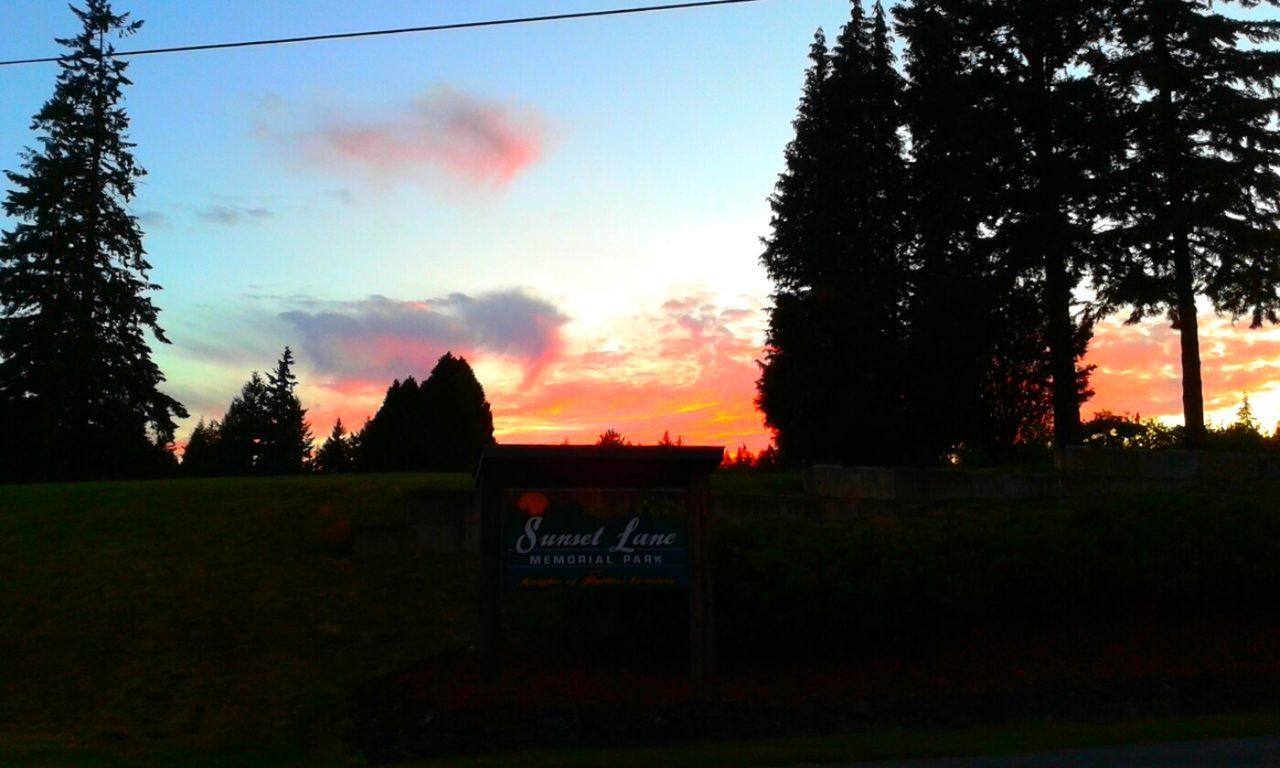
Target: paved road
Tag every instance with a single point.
(1230, 753)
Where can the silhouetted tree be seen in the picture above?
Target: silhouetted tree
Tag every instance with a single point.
(741, 459)
(837, 257)
(246, 428)
(1053, 165)
(78, 385)
(459, 418)
(1245, 420)
(203, 455)
(767, 459)
(335, 456)
(441, 425)
(1198, 213)
(394, 440)
(667, 442)
(287, 439)
(980, 344)
(611, 439)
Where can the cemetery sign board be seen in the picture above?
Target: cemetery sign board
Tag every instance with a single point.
(595, 517)
(594, 538)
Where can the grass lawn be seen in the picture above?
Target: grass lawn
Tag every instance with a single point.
(225, 622)
(887, 745)
(208, 615)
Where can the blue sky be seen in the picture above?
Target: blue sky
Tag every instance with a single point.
(574, 206)
(657, 140)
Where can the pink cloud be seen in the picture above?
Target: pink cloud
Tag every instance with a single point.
(1140, 370)
(444, 132)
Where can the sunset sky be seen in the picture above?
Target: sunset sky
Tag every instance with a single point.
(574, 207)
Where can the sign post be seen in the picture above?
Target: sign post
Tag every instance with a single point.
(596, 518)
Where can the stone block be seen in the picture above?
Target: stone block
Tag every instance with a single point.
(1230, 466)
(994, 485)
(828, 481)
(1169, 465)
(910, 484)
(1099, 462)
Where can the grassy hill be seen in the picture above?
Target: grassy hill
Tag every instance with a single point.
(226, 622)
(207, 615)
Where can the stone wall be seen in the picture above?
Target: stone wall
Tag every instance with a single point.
(449, 521)
(1168, 465)
(909, 484)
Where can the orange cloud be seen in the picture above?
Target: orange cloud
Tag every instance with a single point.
(1140, 369)
(688, 369)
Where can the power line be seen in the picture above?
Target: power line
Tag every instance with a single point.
(399, 31)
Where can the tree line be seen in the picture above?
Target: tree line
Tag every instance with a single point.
(440, 425)
(940, 218)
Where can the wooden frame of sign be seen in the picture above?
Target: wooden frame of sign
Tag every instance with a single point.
(596, 517)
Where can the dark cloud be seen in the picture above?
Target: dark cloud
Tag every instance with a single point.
(342, 195)
(153, 219)
(382, 337)
(231, 215)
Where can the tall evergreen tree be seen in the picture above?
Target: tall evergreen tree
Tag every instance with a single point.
(75, 370)
(246, 428)
(394, 439)
(956, 276)
(1056, 163)
(203, 455)
(335, 456)
(1004, 177)
(788, 393)
(459, 418)
(438, 426)
(837, 256)
(287, 442)
(1201, 201)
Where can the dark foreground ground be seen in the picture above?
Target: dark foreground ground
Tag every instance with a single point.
(1228, 753)
(228, 622)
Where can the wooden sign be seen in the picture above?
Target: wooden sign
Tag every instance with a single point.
(594, 539)
(613, 518)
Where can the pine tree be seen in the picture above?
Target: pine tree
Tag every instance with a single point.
(836, 256)
(335, 456)
(438, 426)
(75, 368)
(1058, 148)
(611, 438)
(394, 440)
(997, 157)
(459, 418)
(246, 429)
(287, 442)
(799, 231)
(1199, 210)
(203, 455)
